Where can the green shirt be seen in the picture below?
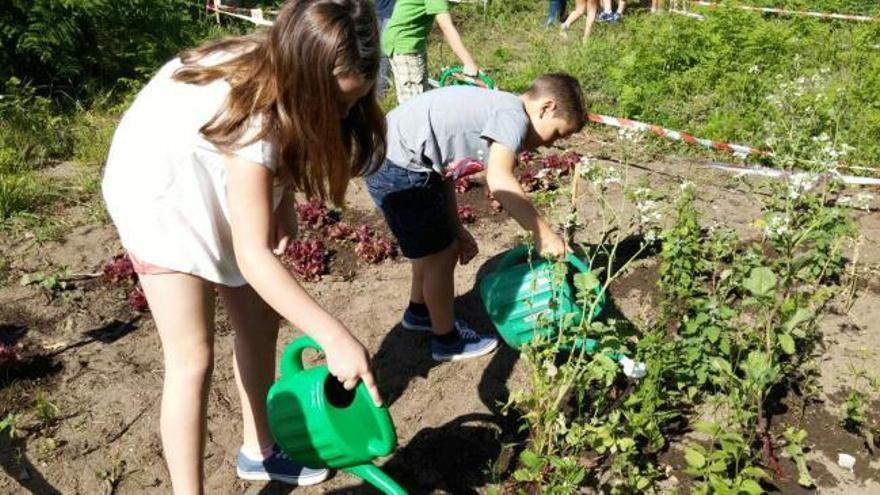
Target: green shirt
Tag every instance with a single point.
(407, 30)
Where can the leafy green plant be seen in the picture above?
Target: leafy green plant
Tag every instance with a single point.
(51, 282)
(46, 412)
(9, 425)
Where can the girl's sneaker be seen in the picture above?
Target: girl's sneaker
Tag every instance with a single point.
(469, 344)
(605, 17)
(278, 467)
(616, 17)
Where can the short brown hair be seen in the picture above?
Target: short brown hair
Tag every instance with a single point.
(286, 76)
(566, 92)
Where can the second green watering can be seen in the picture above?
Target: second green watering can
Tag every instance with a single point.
(318, 423)
(525, 298)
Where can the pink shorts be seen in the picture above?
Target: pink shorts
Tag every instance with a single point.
(142, 268)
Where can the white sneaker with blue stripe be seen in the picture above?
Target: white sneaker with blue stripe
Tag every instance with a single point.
(278, 467)
(470, 344)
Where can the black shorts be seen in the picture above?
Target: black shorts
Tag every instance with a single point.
(416, 208)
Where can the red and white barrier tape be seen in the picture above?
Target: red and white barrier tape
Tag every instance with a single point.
(769, 10)
(770, 172)
(736, 149)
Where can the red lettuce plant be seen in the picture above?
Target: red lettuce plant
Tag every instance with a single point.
(315, 215)
(564, 163)
(463, 185)
(137, 300)
(307, 258)
(119, 268)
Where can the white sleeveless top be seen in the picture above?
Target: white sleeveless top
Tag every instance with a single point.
(165, 185)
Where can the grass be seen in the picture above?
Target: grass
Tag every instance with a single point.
(709, 78)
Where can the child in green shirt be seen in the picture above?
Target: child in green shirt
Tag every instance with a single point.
(404, 41)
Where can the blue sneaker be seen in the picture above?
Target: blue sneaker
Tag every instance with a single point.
(605, 17)
(416, 323)
(616, 17)
(278, 467)
(470, 344)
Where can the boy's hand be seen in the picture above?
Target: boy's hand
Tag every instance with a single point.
(467, 246)
(551, 245)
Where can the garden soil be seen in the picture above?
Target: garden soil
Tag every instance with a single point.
(100, 363)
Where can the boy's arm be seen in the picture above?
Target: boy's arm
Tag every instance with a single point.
(444, 20)
(507, 190)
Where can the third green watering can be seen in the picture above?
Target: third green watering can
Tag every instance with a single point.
(321, 425)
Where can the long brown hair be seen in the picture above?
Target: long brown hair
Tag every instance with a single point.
(286, 76)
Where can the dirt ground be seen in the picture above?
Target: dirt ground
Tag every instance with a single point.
(101, 364)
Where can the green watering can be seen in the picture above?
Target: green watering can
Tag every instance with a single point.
(522, 298)
(318, 423)
(455, 76)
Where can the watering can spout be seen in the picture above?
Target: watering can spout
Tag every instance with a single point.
(374, 476)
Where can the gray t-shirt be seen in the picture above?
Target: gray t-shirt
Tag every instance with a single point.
(443, 126)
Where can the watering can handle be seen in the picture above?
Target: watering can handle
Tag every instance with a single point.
(374, 476)
(522, 250)
(458, 73)
(292, 359)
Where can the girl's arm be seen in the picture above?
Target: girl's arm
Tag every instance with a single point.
(249, 188)
(444, 20)
(508, 191)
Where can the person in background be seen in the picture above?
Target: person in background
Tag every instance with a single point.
(580, 7)
(384, 9)
(405, 42)
(554, 13)
(616, 16)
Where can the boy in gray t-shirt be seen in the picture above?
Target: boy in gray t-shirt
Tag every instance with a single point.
(438, 137)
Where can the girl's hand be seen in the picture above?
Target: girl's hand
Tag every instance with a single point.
(470, 70)
(348, 361)
(467, 246)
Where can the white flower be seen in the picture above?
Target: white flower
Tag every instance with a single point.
(777, 226)
(754, 69)
(648, 211)
(801, 183)
(641, 192)
(611, 176)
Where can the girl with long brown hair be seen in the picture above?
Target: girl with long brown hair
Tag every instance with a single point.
(200, 181)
